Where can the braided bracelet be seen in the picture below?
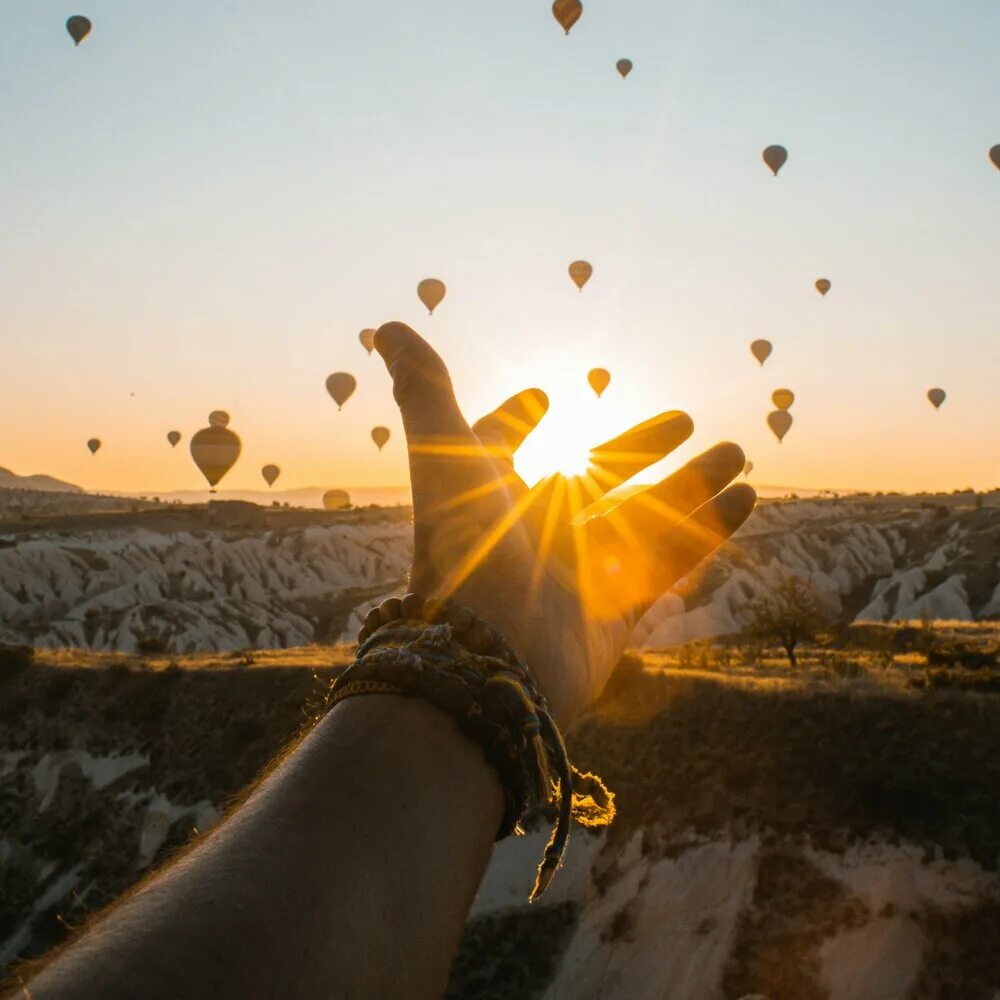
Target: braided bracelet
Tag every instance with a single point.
(447, 655)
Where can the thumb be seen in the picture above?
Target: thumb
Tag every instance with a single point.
(421, 385)
(448, 464)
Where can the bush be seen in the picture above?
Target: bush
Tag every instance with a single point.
(957, 655)
(14, 659)
(152, 645)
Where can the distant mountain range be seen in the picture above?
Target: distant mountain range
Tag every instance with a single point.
(305, 496)
(46, 484)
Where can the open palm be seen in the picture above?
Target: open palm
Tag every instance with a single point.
(561, 570)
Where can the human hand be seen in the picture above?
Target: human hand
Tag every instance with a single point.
(562, 577)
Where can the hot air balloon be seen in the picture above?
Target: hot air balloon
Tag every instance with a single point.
(748, 467)
(624, 67)
(937, 397)
(380, 435)
(270, 474)
(173, 437)
(761, 350)
(995, 156)
(580, 271)
(367, 338)
(782, 398)
(774, 157)
(341, 387)
(599, 379)
(215, 450)
(431, 292)
(567, 13)
(94, 444)
(218, 418)
(336, 499)
(78, 27)
(822, 285)
(780, 422)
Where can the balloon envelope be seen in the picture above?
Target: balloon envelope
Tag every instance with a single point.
(173, 437)
(341, 386)
(270, 474)
(782, 398)
(761, 350)
(822, 285)
(937, 397)
(775, 157)
(367, 338)
(431, 292)
(218, 418)
(380, 435)
(215, 451)
(599, 379)
(78, 27)
(624, 66)
(567, 13)
(94, 445)
(995, 156)
(580, 271)
(336, 499)
(780, 422)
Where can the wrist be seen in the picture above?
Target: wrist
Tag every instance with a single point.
(419, 747)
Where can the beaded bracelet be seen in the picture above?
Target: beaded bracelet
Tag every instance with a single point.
(447, 655)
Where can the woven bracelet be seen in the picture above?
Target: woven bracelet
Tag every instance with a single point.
(448, 656)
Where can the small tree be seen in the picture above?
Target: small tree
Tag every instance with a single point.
(791, 613)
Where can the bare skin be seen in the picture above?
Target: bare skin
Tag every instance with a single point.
(350, 868)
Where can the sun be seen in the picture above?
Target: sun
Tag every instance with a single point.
(577, 421)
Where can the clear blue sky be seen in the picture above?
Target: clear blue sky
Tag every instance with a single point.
(205, 202)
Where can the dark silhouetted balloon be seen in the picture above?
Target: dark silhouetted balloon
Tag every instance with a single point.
(218, 418)
(78, 27)
(775, 157)
(341, 387)
(94, 444)
(380, 435)
(822, 285)
(761, 350)
(215, 451)
(780, 422)
(624, 66)
(567, 13)
(580, 271)
(937, 397)
(336, 499)
(782, 398)
(995, 156)
(431, 292)
(367, 338)
(599, 379)
(270, 474)
(174, 438)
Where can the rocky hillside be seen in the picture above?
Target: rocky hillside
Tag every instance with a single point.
(875, 559)
(802, 839)
(233, 575)
(225, 576)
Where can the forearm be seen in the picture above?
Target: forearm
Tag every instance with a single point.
(348, 872)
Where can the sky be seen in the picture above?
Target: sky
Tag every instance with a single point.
(205, 202)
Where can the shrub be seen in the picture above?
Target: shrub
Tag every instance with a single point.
(14, 659)
(152, 645)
